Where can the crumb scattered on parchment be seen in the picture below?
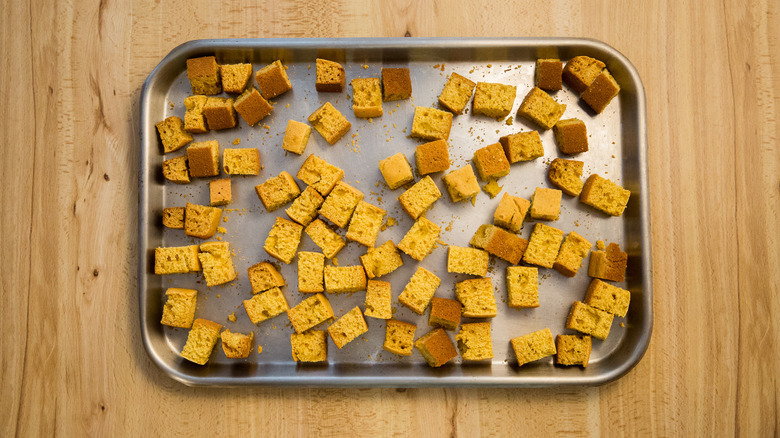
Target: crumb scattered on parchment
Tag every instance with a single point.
(259, 348)
(237, 141)
(221, 230)
(600, 245)
(492, 188)
(232, 317)
(335, 261)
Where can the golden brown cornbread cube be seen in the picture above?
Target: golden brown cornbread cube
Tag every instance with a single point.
(365, 223)
(219, 192)
(310, 312)
(483, 235)
(296, 137)
(609, 298)
(491, 162)
(477, 298)
(340, 204)
(589, 320)
(522, 285)
(366, 97)
(543, 246)
(432, 157)
(265, 305)
(283, 240)
(545, 204)
(341, 279)
(573, 350)
(264, 276)
(608, 265)
(445, 313)
(172, 134)
(235, 77)
(571, 135)
(203, 74)
(331, 76)
(419, 290)
(201, 221)
(510, 212)
(173, 217)
(470, 261)
(381, 260)
(236, 345)
(272, 80)
(399, 337)
(462, 183)
(494, 100)
(566, 175)
(396, 84)
(328, 240)
(278, 191)
(600, 93)
(304, 208)
(540, 108)
(506, 245)
(475, 342)
(573, 250)
(396, 170)
(523, 146)
(203, 158)
(201, 341)
(581, 71)
(217, 263)
(329, 122)
(456, 93)
(431, 124)
(176, 170)
(603, 194)
(176, 260)
(252, 106)
(319, 174)
(348, 327)
(436, 347)
(311, 271)
(219, 113)
(420, 197)
(418, 242)
(549, 74)
(533, 346)
(311, 346)
(379, 299)
(241, 161)
(179, 308)
(193, 115)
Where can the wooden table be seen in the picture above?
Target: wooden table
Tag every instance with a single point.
(72, 359)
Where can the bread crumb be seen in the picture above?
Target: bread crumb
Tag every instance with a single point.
(600, 245)
(237, 141)
(219, 296)
(622, 324)
(224, 218)
(474, 200)
(232, 317)
(335, 261)
(259, 348)
(365, 66)
(510, 121)
(492, 188)
(221, 230)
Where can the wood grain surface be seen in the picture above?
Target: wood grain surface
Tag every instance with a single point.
(72, 359)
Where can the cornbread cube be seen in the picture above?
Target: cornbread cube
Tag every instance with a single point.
(533, 346)
(381, 260)
(573, 250)
(418, 242)
(456, 93)
(310, 312)
(348, 327)
(399, 337)
(589, 320)
(203, 158)
(432, 157)
(491, 162)
(436, 347)
(176, 260)
(311, 346)
(571, 135)
(608, 265)
(543, 246)
(573, 350)
(217, 263)
(341, 279)
(340, 204)
(277, 191)
(522, 285)
(172, 134)
(320, 174)
(252, 107)
(366, 97)
(296, 137)
(264, 276)
(179, 308)
(494, 100)
(461, 183)
(510, 212)
(235, 77)
(365, 224)
(219, 192)
(548, 74)
(173, 217)
(272, 80)
(470, 261)
(482, 236)
(304, 208)
(328, 240)
(236, 345)
(506, 245)
(201, 221)
(329, 122)
(523, 146)
(609, 298)
(477, 297)
(311, 271)
(265, 305)
(566, 175)
(445, 313)
(201, 341)
(331, 76)
(545, 204)
(600, 93)
(475, 342)
(603, 194)
(379, 299)
(419, 290)
(420, 197)
(220, 113)
(203, 74)
(431, 124)
(283, 240)
(176, 170)
(396, 170)
(193, 115)
(540, 108)
(396, 84)
(241, 161)
(581, 71)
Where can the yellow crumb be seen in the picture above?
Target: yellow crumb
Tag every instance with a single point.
(391, 221)
(335, 261)
(492, 188)
(267, 127)
(365, 66)
(232, 317)
(474, 200)
(224, 218)
(622, 324)
(259, 348)
(219, 296)
(600, 245)
(221, 230)
(218, 238)
(237, 141)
